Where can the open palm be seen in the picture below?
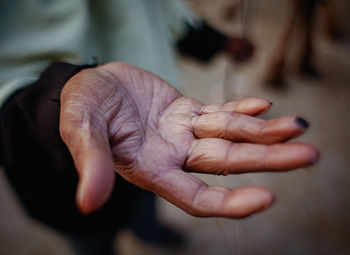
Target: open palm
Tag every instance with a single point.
(117, 117)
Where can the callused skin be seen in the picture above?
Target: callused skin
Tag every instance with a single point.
(117, 117)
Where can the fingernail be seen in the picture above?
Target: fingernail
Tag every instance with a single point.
(302, 123)
(317, 156)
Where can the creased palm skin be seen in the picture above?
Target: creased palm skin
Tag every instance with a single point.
(117, 117)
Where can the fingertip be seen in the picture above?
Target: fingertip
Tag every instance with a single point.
(249, 200)
(317, 156)
(96, 182)
(314, 154)
(91, 197)
(285, 128)
(308, 154)
(253, 106)
(302, 123)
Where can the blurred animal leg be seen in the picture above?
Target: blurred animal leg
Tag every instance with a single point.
(275, 69)
(307, 17)
(329, 22)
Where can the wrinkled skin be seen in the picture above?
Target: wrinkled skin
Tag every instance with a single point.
(117, 117)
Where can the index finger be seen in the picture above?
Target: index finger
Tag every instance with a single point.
(198, 199)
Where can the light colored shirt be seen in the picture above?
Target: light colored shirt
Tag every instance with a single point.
(34, 33)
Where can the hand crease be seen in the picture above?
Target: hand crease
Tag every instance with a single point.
(193, 147)
(230, 150)
(227, 126)
(193, 203)
(264, 168)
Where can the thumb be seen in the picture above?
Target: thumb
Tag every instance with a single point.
(94, 163)
(96, 179)
(84, 130)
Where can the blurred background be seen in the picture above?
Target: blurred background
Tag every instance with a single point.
(311, 214)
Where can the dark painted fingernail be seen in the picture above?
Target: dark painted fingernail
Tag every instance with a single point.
(302, 123)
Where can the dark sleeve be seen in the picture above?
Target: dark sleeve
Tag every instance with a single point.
(34, 112)
(201, 42)
(36, 161)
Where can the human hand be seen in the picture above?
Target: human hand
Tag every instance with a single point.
(117, 117)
